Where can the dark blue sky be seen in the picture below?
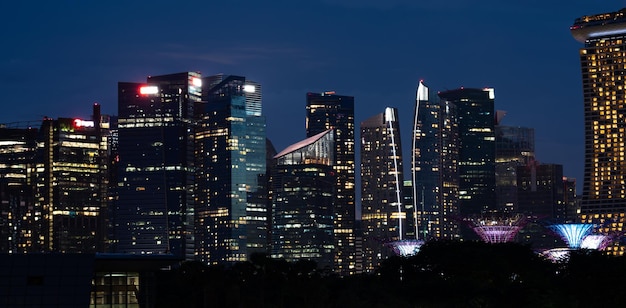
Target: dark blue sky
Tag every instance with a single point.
(58, 57)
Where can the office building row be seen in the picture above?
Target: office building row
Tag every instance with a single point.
(464, 165)
(185, 169)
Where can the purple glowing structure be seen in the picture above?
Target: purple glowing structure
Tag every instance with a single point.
(406, 248)
(557, 254)
(596, 241)
(497, 230)
(572, 234)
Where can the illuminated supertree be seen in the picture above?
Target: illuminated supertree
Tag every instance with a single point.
(572, 234)
(596, 241)
(557, 254)
(406, 248)
(576, 236)
(497, 230)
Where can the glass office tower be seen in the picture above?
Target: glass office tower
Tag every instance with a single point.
(603, 59)
(154, 210)
(383, 216)
(331, 111)
(435, 176)
(303, 186)
(231, 209)
(476, 131)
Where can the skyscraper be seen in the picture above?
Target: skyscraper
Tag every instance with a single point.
(154, 210)
(476, 120)
(331, 111)
(435, 176)
(72, 183)
(304, 190)
(383, 217)
(257, 189)
(602, 58)
(231, 211)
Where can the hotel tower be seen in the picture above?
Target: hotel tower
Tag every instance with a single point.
(603, 63)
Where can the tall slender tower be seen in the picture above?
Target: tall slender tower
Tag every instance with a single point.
(602, 65)
(476, 118)
(383, 215)
(231, 210)
(331, 111)
(154, 210)
(435, 176)
(257, 185)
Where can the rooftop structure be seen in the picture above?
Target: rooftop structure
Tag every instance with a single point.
(599, 25)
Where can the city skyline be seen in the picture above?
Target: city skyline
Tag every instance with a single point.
(376, 52)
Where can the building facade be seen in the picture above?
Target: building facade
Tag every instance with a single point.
(331, 111)
(541, 191)
(383, 215)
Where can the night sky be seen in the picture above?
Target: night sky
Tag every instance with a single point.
(59, 57)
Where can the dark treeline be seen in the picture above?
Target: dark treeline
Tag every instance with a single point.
(443, 274)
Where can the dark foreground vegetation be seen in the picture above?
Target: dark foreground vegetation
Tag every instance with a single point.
(443, 274)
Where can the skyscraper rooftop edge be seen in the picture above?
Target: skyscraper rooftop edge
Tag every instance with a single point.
(599, 25)
(301, 144)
